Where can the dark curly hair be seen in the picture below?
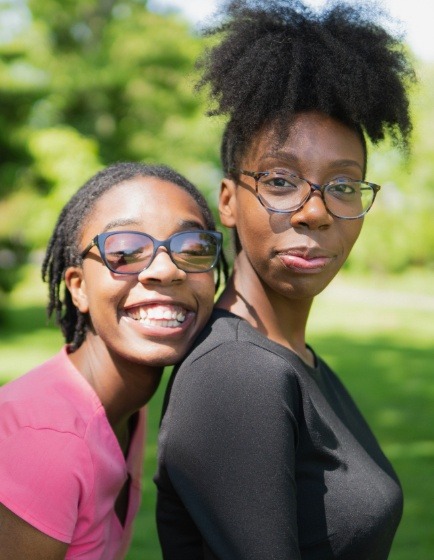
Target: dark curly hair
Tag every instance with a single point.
(279, 57)
(63, 248)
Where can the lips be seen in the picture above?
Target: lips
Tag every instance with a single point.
(307, 260)
(158, 315)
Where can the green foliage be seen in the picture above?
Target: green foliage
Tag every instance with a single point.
(84, 83)
(399, 230)
(13, 255)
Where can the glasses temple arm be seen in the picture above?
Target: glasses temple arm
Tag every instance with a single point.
(89, 247)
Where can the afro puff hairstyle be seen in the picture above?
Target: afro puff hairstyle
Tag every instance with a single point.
(276, 58)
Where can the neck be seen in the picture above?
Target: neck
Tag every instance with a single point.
(279, 317)
(123, 387)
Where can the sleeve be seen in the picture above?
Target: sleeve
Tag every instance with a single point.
(229, 438)
(44, 475)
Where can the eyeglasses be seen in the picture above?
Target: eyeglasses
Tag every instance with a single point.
(283, 192)
(130, 252)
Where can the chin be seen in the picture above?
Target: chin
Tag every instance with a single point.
(160, 358)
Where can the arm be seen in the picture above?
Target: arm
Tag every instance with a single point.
(21, 541)
(44, 476)
(229, 438)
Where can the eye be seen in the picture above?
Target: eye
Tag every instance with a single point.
(344, 189)
(127, 248)
(281, 181)
(191, 249)
(125, 256)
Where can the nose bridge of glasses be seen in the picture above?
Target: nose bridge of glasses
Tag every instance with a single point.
(158, 244)
(313, 188)
(307, 195)
(161, 247)
(320, 199)
(158, 267)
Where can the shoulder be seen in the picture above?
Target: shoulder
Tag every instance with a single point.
(227, 336)
(235, 385)
(52, 396)
(43, 433)
(231, 361)
(230, 347)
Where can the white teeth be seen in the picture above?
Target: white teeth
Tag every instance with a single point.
(159, 316)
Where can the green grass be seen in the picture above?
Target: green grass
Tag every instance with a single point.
(378, 335)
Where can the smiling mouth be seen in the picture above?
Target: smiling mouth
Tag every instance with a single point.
(158, 315)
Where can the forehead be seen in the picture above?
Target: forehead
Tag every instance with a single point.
(309, 136)
(147, 204)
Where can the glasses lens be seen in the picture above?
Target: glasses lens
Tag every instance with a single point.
(128, 253)
(194, 251)
(349, 199)
(282, 191)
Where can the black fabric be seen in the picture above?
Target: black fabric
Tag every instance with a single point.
(263, 458)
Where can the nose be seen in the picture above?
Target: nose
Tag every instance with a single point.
(162, 270)
(313, 214)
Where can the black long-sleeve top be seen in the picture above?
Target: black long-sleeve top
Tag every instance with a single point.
(262, 457)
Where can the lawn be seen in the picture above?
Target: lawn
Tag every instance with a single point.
(378, 335)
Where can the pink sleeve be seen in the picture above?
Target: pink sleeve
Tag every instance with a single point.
(44, 476)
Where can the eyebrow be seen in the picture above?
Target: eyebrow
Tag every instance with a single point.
(184, 224)
(290, 158)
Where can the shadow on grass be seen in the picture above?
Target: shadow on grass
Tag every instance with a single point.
(385, 375)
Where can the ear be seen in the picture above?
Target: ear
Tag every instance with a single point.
(74, 281)
(227, 203)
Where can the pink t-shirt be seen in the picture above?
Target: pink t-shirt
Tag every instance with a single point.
(61, 467)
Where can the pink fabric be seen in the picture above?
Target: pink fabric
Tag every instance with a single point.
(61, 467)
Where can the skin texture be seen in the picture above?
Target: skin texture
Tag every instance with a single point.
(122, 359)
(19, 540)
(299, 253)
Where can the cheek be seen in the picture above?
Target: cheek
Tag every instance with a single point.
(253, 223)
(203, 288)
(350, 232)
(104, 296)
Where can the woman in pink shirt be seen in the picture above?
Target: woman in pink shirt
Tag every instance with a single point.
(131, 283)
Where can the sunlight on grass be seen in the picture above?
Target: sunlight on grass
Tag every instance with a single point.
(369, 307)
(377, 333)
(28, 338)
(417, 449)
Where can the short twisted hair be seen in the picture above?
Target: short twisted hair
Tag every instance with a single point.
(279, 57)
(63, 247)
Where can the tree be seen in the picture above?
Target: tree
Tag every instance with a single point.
(85, 83)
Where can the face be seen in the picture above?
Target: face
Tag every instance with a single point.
(298, 253)
(154, 316)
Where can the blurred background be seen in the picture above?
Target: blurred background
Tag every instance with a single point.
(85, 83)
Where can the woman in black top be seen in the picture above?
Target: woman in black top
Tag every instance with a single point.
(263, 454)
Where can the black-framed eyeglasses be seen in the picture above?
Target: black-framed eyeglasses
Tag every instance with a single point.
(130, 252)
(283, 192)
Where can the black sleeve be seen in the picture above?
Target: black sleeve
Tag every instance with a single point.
(227, 450)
